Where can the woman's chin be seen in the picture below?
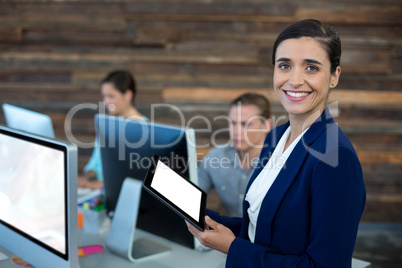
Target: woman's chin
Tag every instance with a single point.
(114, 113)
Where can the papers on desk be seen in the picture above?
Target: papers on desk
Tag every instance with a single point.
(86, 194)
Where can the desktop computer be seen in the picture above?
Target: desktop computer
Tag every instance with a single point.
(27, 120)
(127, 147)
(38, 197)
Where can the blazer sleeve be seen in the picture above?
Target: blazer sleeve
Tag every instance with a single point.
(234, 224)
(337, 202)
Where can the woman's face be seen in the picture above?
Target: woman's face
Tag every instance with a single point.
(302, 76)
(115, 101)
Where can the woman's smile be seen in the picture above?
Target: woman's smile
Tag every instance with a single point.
(296, 95)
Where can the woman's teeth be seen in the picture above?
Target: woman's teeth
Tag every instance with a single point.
(297, 94)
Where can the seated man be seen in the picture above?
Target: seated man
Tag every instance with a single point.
(229, 168)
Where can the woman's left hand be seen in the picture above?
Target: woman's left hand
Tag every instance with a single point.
(215, 235)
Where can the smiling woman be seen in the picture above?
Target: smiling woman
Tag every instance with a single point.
(118, 91)
(302, 79)
(306, 211)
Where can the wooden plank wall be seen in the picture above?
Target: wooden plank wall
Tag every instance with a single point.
(197, 56)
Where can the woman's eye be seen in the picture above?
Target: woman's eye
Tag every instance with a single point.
(312, 68)
(284, 67)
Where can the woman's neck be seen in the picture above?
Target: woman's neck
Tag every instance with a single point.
(299, 124)
(131, 113)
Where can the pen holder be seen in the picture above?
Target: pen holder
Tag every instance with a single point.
(93, 220)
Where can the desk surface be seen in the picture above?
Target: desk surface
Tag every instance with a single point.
(178, 257)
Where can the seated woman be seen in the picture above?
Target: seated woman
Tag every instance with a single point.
(303, 203)
(118, 90)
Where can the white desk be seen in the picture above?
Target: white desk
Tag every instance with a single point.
(178, 257)
(356, 263)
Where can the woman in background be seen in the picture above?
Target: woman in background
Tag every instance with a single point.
(304, 202)
(118, 90)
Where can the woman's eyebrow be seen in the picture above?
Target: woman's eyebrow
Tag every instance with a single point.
(306, 60)
(282, 59)
(313, 61)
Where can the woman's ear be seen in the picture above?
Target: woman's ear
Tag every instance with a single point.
(128, 95)
(335, 77)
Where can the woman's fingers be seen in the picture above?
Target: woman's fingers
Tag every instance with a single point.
(211, 223)
(218, 237)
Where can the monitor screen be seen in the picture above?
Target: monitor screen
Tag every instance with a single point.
(37, 210)
(27, 120)
(127, 147)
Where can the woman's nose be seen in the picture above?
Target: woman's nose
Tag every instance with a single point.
(296, 79)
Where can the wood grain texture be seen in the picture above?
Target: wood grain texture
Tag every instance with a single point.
(192, 57)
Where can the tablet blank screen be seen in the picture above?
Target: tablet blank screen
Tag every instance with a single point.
(177, 189)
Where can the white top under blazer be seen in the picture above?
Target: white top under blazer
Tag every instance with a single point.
(266, 178)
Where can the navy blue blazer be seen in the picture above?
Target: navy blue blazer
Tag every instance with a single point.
(310, 215)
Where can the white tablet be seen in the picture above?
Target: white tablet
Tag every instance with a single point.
(178, 193)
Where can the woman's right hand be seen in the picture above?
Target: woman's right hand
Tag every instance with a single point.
(215, 235)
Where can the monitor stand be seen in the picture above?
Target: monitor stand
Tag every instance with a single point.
(121, 235)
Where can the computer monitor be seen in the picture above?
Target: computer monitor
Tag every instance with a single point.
(27, 120)
(38, 197)
(127, 147)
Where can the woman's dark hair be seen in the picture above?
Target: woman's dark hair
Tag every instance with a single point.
(258, 100)
(122, 81)
(324, 34)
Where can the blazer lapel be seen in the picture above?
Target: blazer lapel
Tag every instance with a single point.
(270, 144)
(286, 176)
